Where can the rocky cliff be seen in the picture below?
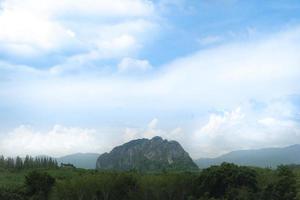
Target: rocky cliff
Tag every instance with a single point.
(147, 155)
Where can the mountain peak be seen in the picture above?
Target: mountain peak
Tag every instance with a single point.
(157, 138)
(147, 155)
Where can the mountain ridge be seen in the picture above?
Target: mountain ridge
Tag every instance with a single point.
(264, 157)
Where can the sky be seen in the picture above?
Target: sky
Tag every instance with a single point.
(87, 75)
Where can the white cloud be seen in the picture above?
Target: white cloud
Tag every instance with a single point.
(149, 132)
(268, 121)
(56, 142)
(220, 134)
(169, 6)
(220, 78)
(19, 69)
(216, 121)
(61, 140)
(25, 34)
(208, 40)
(233, 73)
(153, 130)
(133, 65)
(103, 27)
(153, 123)
(249, 129)
(244, 127)
(130, 134)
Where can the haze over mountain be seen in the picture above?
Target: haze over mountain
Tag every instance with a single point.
(267, 157)
(80, 160)
(147, 155)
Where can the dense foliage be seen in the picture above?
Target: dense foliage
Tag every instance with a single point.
(227, 180)
(224, 182)
(28, 163)
(38, 185)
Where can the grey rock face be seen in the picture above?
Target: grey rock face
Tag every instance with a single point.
(147, 155)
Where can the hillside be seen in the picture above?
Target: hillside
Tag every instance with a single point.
(267, 157)
(147, 155)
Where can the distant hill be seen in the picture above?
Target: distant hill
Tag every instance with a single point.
(147, 155)
(80, 160)
(268, 157)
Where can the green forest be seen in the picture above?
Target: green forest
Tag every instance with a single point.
(43, 179)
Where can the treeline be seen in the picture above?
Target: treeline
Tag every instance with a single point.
(224, 182)
(27, 163)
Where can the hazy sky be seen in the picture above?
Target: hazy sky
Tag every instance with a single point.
(86, 75)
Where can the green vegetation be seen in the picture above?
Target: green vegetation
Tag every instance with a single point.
(28, 163)
(38, 185)
(224, 182)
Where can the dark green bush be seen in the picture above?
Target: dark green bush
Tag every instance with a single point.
(38, 185)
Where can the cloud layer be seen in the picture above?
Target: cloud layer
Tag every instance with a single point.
(67, 32)
(81, 64)
(251, 125)
(58, 141)
(221, 77)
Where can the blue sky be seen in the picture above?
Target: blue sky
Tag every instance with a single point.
(83, 76)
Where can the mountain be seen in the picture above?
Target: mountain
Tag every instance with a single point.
(80, 160)
(268, 157)
(147, 155)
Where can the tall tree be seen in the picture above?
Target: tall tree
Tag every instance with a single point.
(19, 163)
(2, 161)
